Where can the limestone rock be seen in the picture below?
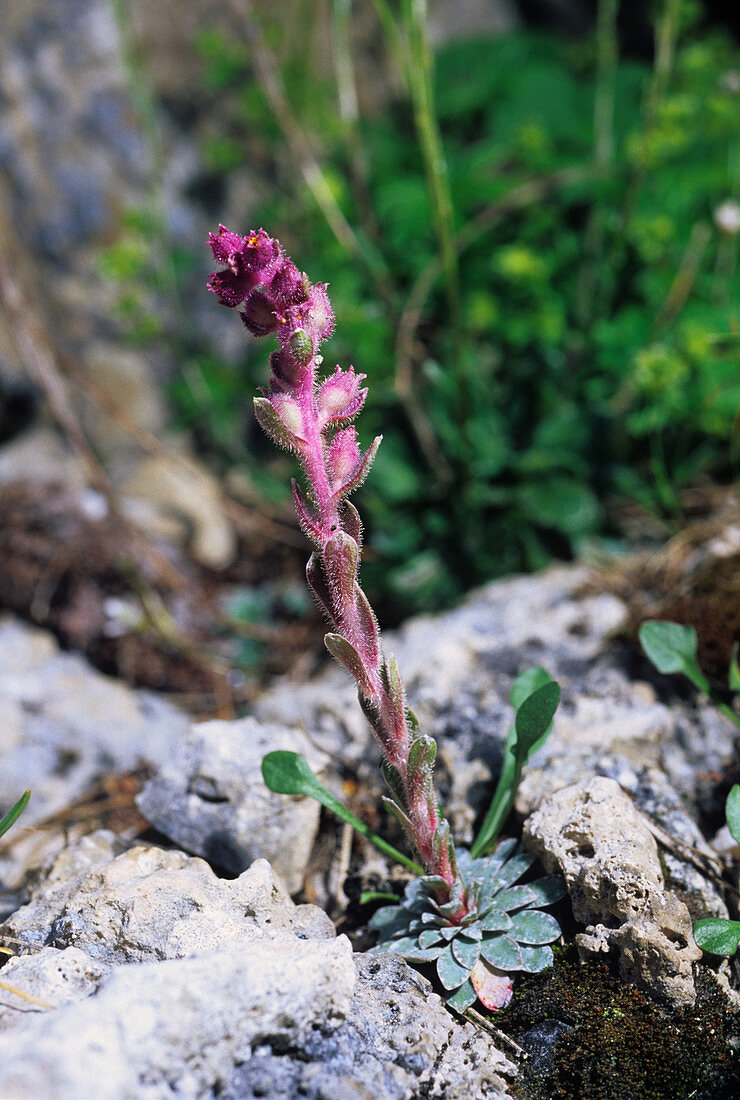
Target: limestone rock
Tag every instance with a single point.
(398, 1042)
(52, 977)
(593, 835)
(179, 1027)
(151, 904)
(210, 798)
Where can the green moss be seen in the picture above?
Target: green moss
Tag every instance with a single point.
(617, 1044)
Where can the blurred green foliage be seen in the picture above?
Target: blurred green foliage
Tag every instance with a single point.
(592, 349)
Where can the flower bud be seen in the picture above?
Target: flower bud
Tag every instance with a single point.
(340, 397)
(289, 287)
(285, 368)
(322, 315)
(301, 346)
(258, 313)
(343, 456)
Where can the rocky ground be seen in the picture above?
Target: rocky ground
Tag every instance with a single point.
(140, 963)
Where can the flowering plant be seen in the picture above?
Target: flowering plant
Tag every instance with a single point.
(458, 913)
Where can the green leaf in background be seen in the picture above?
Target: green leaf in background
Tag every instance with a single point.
(12, 816)
(523, 739)
(534, 718)
(732, 812)
(717, 936)
(734, 674)
(672, 648)
(290, 773)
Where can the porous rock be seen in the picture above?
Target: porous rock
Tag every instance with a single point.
(52, 977)
(209, 797)
(593, 835)
(64, 725)
(398, 1042)
(151, 904)
(178, 1027)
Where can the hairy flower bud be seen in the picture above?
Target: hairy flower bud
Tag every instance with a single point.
(343, 456)
(301, 346)
(340, 397)
(258, 313)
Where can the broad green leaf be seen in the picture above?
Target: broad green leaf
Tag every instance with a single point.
(526, 683)
(672, 648)
(717, 936)
(534, 717)
(12, 815)
(732, 811)
(533, 927)
(290, 773)
(734, 674)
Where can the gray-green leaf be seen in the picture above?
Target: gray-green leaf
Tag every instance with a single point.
(502, 952)
(451, 972)
(533, 927)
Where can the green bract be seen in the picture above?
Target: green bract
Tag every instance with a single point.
(505, 931)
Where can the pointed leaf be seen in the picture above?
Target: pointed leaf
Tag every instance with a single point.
(502, 952)
(309, 524)
(271, 423)
(535, 959)
(717, 936)
(360, 471)
(319, 586)
(732, 812)
(341, 556)
(349, 517)
(494, 988)
(672, 648)
(348, 656)
(451, 973)
(13, 814)
(533, 927)
(463, 997)
(393, 780)
(466, 951)
(368, 624)
(449, 931)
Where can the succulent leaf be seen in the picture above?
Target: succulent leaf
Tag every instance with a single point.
(451, 972)
(501, 951)
(531, 926)
(466, 951)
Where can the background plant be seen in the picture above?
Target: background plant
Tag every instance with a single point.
(534, 252)
(672, 648)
